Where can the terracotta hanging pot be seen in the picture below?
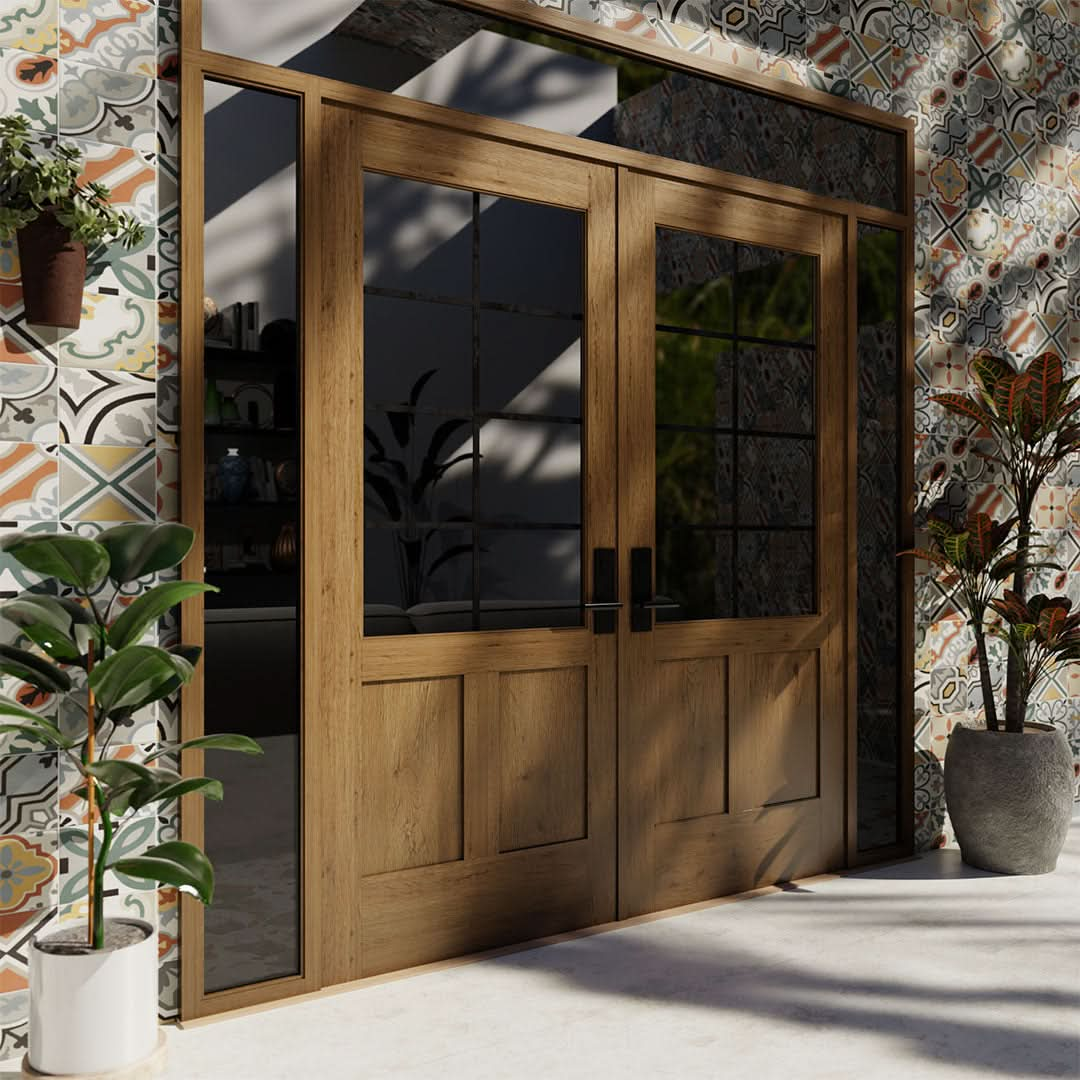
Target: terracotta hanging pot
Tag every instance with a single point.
(53, 272)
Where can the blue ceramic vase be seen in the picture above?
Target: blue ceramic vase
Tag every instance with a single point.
(233, 473)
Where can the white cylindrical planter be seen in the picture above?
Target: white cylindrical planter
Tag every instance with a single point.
(93, 1012)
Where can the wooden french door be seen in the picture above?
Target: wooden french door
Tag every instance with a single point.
(731, 518)
(602, 428)
(478, 756)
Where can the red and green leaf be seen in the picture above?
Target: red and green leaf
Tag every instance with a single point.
(962, 405)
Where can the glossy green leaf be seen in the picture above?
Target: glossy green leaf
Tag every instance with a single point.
(117, 772)
(41, 731)
(138, 549)
(239, 743)
(47, 622)
(190, 655)
(161, 792)
(151, 606)
(33, 669)
(174, 863)
(131, 677)
(74, 560)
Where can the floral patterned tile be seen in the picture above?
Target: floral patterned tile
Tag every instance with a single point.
(119, 35)
(28, 790)
(168, 229)
(28, 403)
(30, 25)
(28, 872)
(28, 481)
(168, 118)
(116, 334)
(106, 408)
(168, 344)
(168, 485)
(20, 342)
(127, 172)
(106, 483)
(133, 837)
(16, 933)
(108, 106)
(29, 84)
(168, 43)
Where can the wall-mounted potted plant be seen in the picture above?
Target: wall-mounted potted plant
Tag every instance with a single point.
(1009, 787)
(56, 218)
(91, 649)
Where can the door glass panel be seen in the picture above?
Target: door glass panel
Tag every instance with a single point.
(878, 515)
(735, 429)
(472, 386)
(253, 534)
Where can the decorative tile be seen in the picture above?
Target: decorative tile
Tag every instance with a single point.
(20, 342)
(16, 933)
(116, 334)
(168, 346)
(119, 35)
(827, 48)
(106, 483)
(168, 118)
(168, 229)
(106, 408)
(133, 837)
(108, 106)
(28, 86)
(168, 411)
(168, 485)
(28, 870)
(29, 25)
(168, 43)
(28, 790)
(28, 475)
(28, 403)
(871, 61)
(782, 34)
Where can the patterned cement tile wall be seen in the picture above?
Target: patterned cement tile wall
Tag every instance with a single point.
(81, 442)
(994, 89)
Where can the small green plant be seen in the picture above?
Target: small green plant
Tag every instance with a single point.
(75, 633)
(32, 184)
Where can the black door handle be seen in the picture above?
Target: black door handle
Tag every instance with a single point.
(642, 601)
(605, 602)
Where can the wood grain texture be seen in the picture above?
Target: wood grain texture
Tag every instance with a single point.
(543, 736)
(774, 715)
(412, 774)
(692, 738)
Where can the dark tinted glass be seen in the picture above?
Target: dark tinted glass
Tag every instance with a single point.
(253, 534)
(442, 54)
(473, 449)
(879, 538)
(735, 429)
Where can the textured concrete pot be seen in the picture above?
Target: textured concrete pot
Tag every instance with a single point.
(93, 1012)
(53, 268)
(1010, 797)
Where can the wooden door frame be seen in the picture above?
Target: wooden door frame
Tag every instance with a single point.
(323, 462)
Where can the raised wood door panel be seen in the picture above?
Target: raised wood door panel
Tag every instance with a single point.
(481, 807)
(731, 744)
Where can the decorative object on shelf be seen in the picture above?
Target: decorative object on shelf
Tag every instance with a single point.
(287, 478)
(255, 399)
(249, 330)
(1009, 788)
(55, 218)
(212, 404)
(278, 341)
(233, 473)
(283, 553)
(106, 962)
(230, 412)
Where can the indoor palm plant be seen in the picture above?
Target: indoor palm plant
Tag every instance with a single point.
(83, 643)
(1009, 788)
(56, 218)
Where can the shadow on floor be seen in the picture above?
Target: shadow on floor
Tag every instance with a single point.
(738, 981)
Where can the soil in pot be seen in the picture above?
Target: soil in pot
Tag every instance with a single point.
(72, 941)
(1010, 797)
(53, 270)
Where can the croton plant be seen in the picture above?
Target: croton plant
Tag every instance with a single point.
(76, 635)
(1026, 422)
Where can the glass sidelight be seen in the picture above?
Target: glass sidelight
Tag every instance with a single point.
(253, 542)
(473, 410)
(735, 429)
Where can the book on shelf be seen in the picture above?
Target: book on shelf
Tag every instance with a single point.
(249, 338)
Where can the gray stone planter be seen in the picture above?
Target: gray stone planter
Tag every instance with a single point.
(1010, 797)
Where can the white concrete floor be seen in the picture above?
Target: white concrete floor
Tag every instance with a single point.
(920, 970)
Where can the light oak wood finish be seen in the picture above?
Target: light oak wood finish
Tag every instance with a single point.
(778, 734)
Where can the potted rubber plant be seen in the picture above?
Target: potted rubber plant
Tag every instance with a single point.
(55, 218)
(1009, 787)
(77, 637)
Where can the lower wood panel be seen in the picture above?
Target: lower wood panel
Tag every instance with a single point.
(419, 916)
(729, 853)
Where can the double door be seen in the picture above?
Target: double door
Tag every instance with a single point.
(601, 414)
